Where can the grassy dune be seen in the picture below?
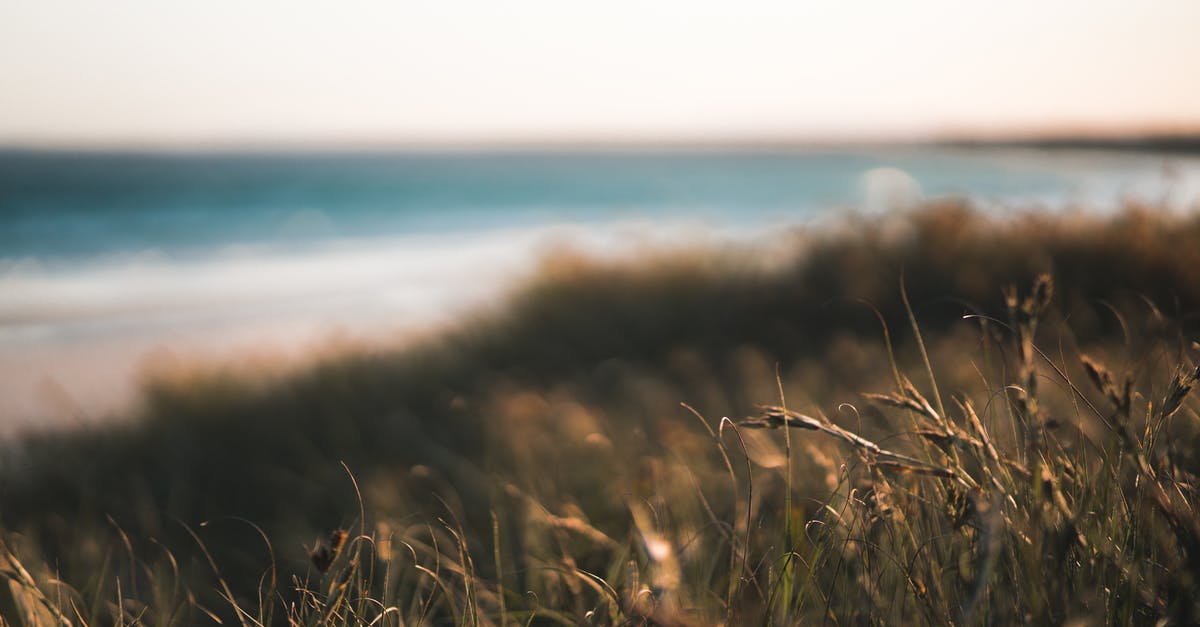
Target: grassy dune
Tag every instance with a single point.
(934, 418)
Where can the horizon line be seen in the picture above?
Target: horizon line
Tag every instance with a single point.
(1154, 140)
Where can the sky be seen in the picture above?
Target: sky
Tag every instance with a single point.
(174, 73)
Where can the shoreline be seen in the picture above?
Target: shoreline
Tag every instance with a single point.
(77, 343)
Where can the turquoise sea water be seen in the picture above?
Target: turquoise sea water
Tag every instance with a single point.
(72, 206)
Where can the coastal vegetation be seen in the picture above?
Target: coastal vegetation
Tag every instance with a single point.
(939, 417)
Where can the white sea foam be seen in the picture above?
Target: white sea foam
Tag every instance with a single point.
(74, 339)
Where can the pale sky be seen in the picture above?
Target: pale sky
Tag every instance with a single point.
(167, 72)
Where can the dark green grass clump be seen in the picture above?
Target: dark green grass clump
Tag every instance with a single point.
(894, 420)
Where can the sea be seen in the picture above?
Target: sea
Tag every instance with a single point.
(115, 265)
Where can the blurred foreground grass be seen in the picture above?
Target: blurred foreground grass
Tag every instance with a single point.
(985, 446)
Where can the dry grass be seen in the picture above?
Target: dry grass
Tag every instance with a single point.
(983, 446)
